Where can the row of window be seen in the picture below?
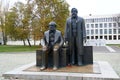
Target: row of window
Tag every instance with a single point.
(110, 19)
(102, 25)
(110, 37)
(103, 31)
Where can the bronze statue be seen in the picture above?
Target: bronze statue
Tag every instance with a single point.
(52, 42)
(75, 35)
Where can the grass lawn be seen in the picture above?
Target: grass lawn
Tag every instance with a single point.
(17, 48)
(114, 45)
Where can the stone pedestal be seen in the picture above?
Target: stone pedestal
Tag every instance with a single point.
(64, 56)
(95, 71)
(39, 58)
(88, 55)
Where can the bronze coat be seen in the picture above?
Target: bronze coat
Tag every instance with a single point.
(81, 34)
(58, 38)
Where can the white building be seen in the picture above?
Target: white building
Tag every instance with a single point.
(103, 29)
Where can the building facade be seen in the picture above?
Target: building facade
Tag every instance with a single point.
(103, 29)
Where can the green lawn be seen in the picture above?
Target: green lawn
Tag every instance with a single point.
(11, 48)
(114, 45)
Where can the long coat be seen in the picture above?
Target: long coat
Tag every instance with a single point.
(81, 34)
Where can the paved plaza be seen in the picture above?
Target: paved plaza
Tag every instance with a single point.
(10, 61)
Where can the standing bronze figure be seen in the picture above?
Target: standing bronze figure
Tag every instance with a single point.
(52, 42)
(75, 35)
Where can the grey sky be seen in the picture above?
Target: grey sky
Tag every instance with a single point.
(94, 7)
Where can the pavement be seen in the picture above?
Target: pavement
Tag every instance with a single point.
(10, 61)
(106, 49)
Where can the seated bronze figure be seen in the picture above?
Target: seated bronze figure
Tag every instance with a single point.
(52, 42)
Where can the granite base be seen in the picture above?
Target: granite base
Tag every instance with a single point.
(106, 73)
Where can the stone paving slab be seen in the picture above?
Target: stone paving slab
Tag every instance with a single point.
(107, 73)
(89, 68)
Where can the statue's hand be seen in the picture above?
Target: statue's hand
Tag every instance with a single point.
(56, 47)
(84, 40)
(65, 40)
(65, 44)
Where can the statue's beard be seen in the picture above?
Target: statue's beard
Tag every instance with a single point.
(52, 30)
(74, 16)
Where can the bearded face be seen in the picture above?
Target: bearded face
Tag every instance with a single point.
(74, 12)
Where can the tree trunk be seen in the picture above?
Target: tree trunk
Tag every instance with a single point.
(29, 42)
(34, 40)
(4, 38)
(24, 42)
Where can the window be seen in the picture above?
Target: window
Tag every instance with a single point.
(114, 24)
(110, 19)
(96, 37)
(110, 31)
(92, 20)
(118, 37)
(103, 19)
(95, 19)
(101, 37)
(96, 31)
(96, 25)
(114, 18)
(88, 37)
(92, 25)
(118, 18)
(100, 19)
(105, 37)
(114, 31)
(92, 37)
(88, 32)
(101, 31)
(105, 31)
(92, 32)
(101, 25)
(118, 31)
(110, 24)
(118, 24)
(105, 25)
(110, 37)
(107, 19)
(114, 37)
(87, 25)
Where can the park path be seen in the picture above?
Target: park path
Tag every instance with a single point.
(10, 61)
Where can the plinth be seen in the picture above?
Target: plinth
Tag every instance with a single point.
(96, 71)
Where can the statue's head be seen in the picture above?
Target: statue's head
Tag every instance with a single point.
(74, 12)
(52, 26)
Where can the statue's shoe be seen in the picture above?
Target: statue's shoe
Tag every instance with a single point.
(55, 68)
(42, 68)
(80, 64)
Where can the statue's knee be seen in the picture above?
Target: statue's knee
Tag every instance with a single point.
(55, 49)
(44, 50)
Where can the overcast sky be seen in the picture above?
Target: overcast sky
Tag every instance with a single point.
(94, 7)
